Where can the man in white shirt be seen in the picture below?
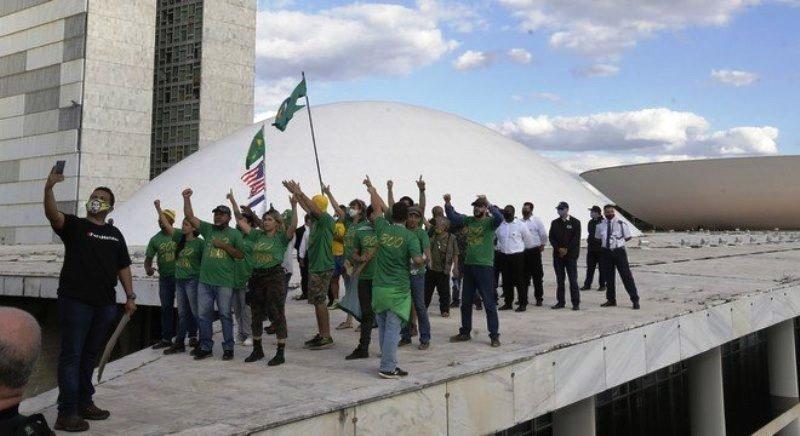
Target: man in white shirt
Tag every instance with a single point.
(613, 233)
(302, 257)
(533, 255)
(513, 238)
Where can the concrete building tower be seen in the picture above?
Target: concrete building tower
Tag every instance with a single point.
(83, 81)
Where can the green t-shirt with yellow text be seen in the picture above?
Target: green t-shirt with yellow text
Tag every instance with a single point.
(266, 251)
(217, 267)
(187, 264)
(480, 241)
(162, 246)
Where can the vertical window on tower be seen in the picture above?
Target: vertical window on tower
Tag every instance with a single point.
(745, 380)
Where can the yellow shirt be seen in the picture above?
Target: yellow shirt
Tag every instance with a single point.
(338, 238)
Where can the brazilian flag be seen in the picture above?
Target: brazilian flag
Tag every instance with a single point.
(256, 150)
(290, 106)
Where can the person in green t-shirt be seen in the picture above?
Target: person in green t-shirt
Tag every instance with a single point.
(162, 247)
(267, 239)
(478, 273)
(398, 249)
(217, 275)
(188, 254)
(352, 218)
(320, 261)
(365, 245)
(419, 310)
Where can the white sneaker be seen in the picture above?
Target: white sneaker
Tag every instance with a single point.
(248, 342)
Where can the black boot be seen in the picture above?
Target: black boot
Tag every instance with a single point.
(258, 352)
(278, 359)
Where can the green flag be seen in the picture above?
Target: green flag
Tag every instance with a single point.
(289, 106)
(256, 150)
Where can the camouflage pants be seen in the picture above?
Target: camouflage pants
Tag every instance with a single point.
(267, 299)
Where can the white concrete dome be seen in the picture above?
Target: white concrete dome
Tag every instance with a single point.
(384, 140)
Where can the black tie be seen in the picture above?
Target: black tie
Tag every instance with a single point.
(608, 235)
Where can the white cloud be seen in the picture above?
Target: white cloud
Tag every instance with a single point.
(597, 70)
(459, 16)
(605, 29)
(269, 95)
(646, 132)
(472, 60)
(347, 42)
(520, 56)
(734, 77)
(548, 96)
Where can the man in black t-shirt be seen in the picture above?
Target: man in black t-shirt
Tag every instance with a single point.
(95, 257)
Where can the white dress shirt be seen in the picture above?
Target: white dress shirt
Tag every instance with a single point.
(513, 237)
(620, 231)
(288, 260)
(537, 230)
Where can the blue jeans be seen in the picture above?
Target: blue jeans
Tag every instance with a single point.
(479, 279)
(388, 336)
(206, 296)
(186, 292)
(84, 329)
(418, 299)
(166, 293)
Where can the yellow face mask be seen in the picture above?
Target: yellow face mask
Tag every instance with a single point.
(96, 205)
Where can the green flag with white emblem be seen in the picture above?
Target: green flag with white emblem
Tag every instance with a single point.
(290, 106)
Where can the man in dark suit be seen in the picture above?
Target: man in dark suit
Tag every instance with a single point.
(565, 238)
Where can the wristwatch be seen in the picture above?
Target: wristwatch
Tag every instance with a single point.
(132, 296)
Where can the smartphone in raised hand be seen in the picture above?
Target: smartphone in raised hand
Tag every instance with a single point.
(59, 167)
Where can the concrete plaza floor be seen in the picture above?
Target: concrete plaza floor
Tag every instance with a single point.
(149, 393)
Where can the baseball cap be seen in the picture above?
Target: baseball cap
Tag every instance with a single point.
(562, 205)
(415, 210)
(595, 208)
(481, 201)
(222, 209)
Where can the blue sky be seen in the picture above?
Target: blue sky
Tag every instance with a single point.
(588, 83)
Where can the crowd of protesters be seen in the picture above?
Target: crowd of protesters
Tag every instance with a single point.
(381, 261)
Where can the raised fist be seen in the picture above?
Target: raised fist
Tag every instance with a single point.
(187, 192)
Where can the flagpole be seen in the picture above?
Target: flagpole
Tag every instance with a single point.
(313, 138)
(264, 166)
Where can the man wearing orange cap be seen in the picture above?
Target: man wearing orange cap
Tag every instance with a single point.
(162, 246)
(320, 261)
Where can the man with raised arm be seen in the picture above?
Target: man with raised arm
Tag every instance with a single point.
(162, 247)
(223, 244)
(478, 273)
(397, 249)
(320, 261)
(95, 258)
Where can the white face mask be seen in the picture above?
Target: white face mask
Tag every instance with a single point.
(352, 212)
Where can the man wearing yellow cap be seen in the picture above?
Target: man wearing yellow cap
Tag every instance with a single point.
(320, 261)
(162, 246)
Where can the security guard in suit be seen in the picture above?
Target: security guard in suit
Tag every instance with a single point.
(613, 233)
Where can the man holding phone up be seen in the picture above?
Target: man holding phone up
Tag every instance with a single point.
(95, 257)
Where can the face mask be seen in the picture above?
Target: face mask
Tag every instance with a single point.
(95, 206)
(610, 216)
(352, 212)
(563, 213)
(595, 215)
